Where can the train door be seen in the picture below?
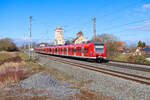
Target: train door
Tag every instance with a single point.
(77, 51)
(86, 51)
(60, 51)
(64, 51)
(53, 50)
(72, 51)
(45, 50)
(50, 50)
(80, 50)
(67, 51)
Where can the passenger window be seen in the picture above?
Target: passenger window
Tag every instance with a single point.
(84, 50)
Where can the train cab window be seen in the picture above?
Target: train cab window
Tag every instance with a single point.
(99, 48)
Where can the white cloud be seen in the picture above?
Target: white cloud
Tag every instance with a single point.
(146, 7)
(145, 27)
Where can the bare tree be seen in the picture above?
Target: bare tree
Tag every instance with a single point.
(112, 44)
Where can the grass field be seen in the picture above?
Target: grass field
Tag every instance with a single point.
(4, 56)
(17, 66)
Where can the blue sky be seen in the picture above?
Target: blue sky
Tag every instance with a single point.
(73, 16)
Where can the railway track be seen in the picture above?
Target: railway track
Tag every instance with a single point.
(128, 67)
(127, 76)
(129, 62)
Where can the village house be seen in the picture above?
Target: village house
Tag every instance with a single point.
(42, 44)
(80, 38)
(122, 46)
(146, 50)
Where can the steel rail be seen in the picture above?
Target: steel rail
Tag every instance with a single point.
(132, 77)
(128, 67)
(129, 62)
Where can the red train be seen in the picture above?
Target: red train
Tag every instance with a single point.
(92, 50)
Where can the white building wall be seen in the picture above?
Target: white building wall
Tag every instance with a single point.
(80, 40)
(59, 39)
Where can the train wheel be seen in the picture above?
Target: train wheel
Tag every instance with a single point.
(99, 60)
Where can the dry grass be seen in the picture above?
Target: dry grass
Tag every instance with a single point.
(12, 69)
(4, 56)
(19, 94)
(17, 66)
(11, 72)
(16, 95)
(90, 95)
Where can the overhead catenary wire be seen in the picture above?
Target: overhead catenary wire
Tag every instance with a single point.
(120, 9)
(121, 31)
(134, 22)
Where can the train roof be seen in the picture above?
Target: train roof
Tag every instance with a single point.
(88, 42)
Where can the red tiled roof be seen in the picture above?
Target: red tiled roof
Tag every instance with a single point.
(147, 46)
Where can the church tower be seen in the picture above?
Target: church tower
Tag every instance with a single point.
(59, 39)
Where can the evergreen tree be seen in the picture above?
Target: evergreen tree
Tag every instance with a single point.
(139, 44)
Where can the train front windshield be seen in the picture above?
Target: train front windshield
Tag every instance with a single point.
(99, 48)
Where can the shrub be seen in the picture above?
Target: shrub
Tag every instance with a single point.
(7, 44)
(137, 58)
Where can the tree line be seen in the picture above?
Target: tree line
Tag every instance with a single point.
(7, 44)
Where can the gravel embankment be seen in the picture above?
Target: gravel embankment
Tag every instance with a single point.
(118, 88)
(130, 71)
(48, 84)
